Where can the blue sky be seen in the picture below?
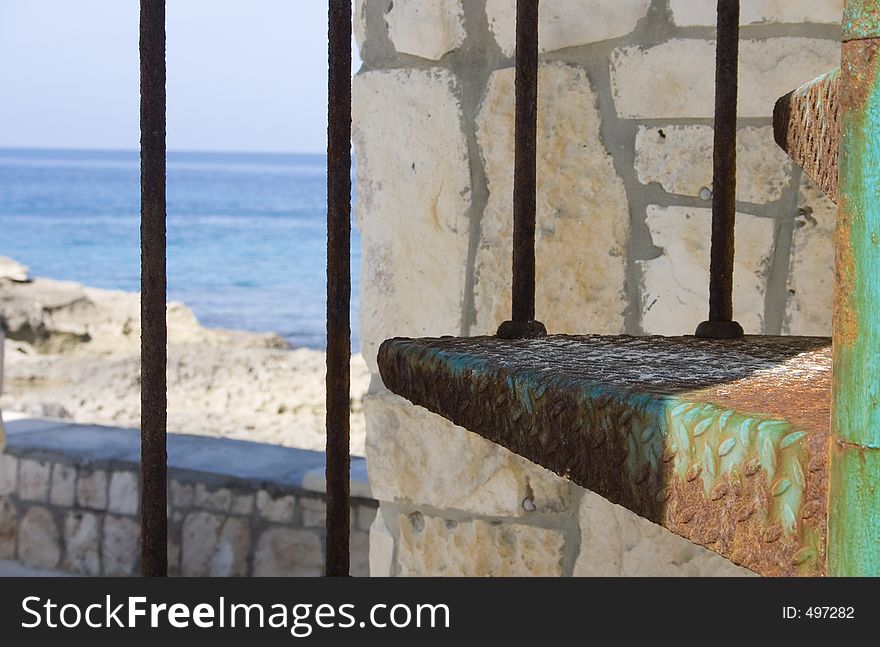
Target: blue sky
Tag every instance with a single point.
(243, 75)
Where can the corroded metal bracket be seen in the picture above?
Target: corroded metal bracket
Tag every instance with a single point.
(723, 442)
(806, 124)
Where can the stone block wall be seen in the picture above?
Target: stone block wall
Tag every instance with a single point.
(69, 502)
(625, 187)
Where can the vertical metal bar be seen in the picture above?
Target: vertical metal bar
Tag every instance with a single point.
(854, 452)
(721, 324)
(523, 322)
(338, 286)
(154, 336)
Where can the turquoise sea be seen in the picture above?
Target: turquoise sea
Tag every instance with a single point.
(246, 232)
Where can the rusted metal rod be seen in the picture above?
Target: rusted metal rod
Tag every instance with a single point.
(523, 322)
(854, 478)
(154, 333)
(721, 324)
(338, 287)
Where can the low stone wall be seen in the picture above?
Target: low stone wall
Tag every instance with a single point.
(69, 500)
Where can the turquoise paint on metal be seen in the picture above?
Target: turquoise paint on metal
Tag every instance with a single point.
(861, 19)
(854, 504)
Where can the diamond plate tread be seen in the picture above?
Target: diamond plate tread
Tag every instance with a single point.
(723, 442)
(806, 124)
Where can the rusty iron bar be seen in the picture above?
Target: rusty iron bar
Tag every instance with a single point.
(338, 287)
(854, 449)
(721, 324)
(523, 324)
(154, 332)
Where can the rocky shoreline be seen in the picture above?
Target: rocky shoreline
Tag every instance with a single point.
(72, 352)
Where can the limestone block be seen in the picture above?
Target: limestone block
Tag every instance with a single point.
(417, 456)
(426, 28)
(811, 270)
(413, 196)
(8, 474)
(200, 532)
(181, 495)
(124, 493)
(39, 539)
(675, 294)
(242, 504)
(63, 490)
(567, 23)
(314, 513)
(704, 12)
(91, 490)
(365, 517)
(120, 547)
(284, 552)
(617, 542)
(279, 510)
(8, 521)
(359, 24)
(434, 547)
(677, 78)
(359, 565)
(82, 541)
(33, 480)
(381, 548)
(679, 158)
(215, 500)
(582, 209)
(230, 554)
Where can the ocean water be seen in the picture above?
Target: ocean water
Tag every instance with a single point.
(247, 233)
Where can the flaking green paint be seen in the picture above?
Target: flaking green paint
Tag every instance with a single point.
(861, 19)
(854, 506)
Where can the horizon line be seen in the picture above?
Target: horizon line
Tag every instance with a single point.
(5, 147)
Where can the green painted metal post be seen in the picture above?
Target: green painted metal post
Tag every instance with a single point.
(854, 489)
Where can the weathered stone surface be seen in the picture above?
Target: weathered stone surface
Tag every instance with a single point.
(381, 548)
(33, 480)
(811, 271)
(417, 456)
(284, 552)
(580, 198)
(365, 517)
(314, 513)
(200, 532)
(680, 159)
(567, 23)
(431, 546)
(426, 28)
(121, 545)
(676, 283)
(91, 490)
(654, 83)
(8, 474)
(360, 554)
(617, 542)
(410, 179)
(242, 504)
(11, 270)
(38, 539)
(8, 520)
(124, 493)
(63, 489)
(359, 25)
(215, 500)
(279, 510)
(82, 540)
(703, 12)
(214, 545)
(181, 495)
